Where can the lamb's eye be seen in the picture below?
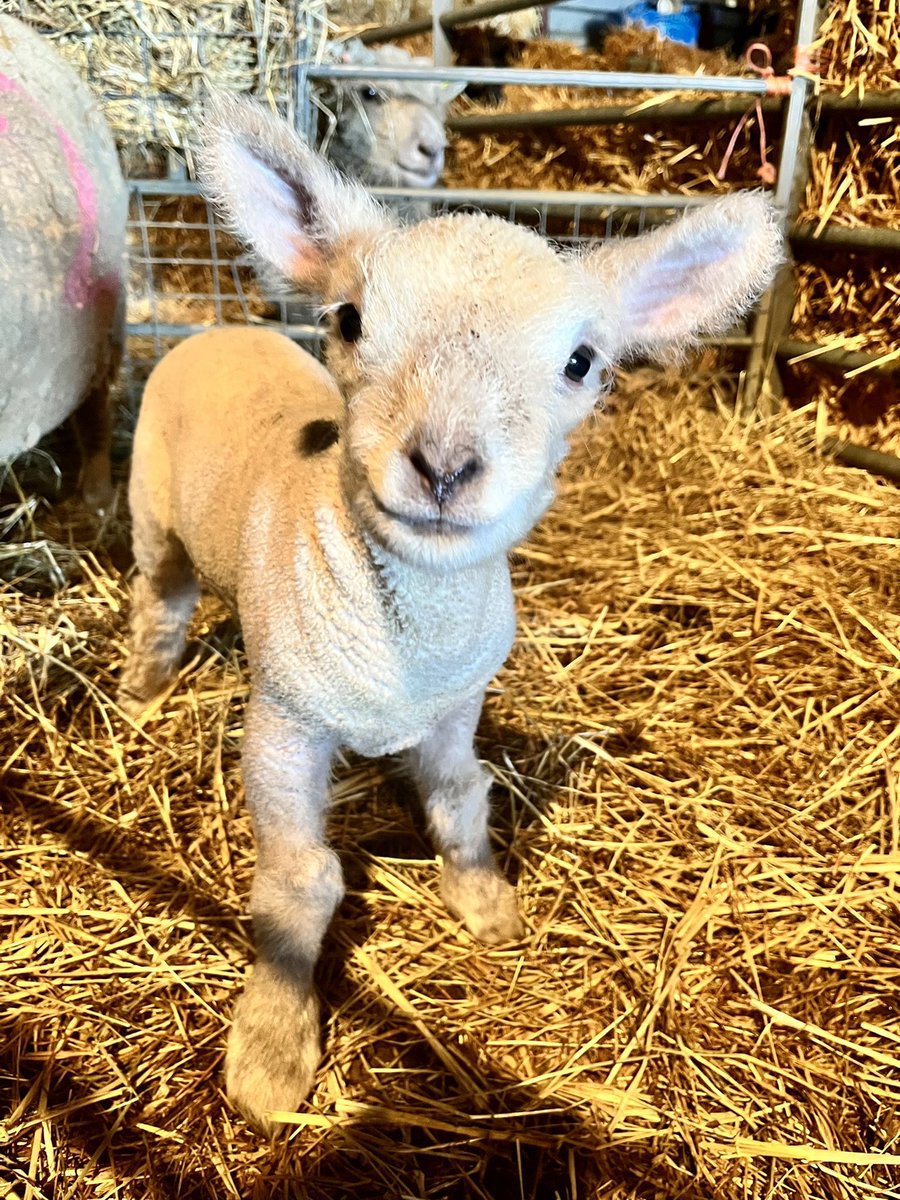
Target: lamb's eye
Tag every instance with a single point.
(579, 364)
(369, 93)
(349, 322)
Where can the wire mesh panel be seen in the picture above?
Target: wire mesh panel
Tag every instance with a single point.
(188, 273)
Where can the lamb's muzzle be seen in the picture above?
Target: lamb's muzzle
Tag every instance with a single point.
(360, 518)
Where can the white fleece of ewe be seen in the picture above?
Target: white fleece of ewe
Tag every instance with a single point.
(360, 519)
(62, 244)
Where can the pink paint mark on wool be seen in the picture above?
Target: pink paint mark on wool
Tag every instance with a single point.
(4, 125)
(78, 286)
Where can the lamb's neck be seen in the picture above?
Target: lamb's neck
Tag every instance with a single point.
(447, 614)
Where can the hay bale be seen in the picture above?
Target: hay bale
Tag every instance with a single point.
(366, 14)
(850, 300)
(694, 745)
(646, 159)
(151, 63)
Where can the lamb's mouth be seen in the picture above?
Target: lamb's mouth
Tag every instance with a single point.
(426, 177)
(428, 526)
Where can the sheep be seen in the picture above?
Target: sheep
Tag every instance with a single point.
(359, 518)
(63, 206)
(390, 134)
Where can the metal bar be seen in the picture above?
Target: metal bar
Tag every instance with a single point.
(392, 33)
(165, 187)
(807, 234)
(873, 103)
(484, 197)
(775, 306)
(611, 114)
(845, 360)
(441, 51)
(536, 77)
(148, 329)
(862, 457)
(450, 20)
(493, 198)
(883, 104)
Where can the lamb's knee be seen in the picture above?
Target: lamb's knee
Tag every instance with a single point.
(293, 898)
(457, 810)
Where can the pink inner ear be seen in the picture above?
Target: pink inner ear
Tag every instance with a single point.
(308, 263)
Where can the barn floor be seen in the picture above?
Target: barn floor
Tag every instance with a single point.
(695, 748)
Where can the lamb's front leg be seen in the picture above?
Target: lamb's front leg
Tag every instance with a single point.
(274, 1047)
(454, 788)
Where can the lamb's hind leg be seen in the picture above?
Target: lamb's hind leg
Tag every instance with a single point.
(164, 598)
(273, 1050)
(454, 787)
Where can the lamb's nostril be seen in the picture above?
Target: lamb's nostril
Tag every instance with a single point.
(429, 152)
(424, 467)
(443, 483)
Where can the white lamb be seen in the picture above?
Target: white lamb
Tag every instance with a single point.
(360, 520)
(389, 134)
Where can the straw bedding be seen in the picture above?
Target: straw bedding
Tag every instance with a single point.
(850, 301)
(694, 745)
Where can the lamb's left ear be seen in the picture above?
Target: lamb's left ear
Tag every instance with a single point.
(696, 275)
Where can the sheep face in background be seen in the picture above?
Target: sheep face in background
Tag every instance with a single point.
(389, 134)
(62, 243)
(360, 520)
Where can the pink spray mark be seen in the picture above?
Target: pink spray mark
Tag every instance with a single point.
(79, 287)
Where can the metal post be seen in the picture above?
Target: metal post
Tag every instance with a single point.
(441, 51)
(777, 304)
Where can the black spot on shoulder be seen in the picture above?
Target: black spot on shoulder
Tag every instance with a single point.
(317, 436)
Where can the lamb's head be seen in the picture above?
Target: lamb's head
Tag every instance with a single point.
(466, 348)
(389, 134)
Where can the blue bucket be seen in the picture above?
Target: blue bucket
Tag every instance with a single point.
(682, 25)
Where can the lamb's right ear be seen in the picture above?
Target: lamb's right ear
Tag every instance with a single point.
(276, 193)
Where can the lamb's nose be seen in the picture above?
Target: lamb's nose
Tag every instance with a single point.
(443, 481)
(429, 152)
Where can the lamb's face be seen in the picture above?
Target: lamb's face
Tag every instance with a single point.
(466, 348)
(389, 135)
(466, 351)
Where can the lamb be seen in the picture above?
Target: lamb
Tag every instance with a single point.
(63, 206)
(389, 135)
(359, 518)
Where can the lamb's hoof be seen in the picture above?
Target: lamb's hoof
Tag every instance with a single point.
(133, 706)
(482, 898)
(99, 498)
(273, 1049)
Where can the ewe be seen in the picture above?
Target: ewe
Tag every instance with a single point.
(62, 256)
